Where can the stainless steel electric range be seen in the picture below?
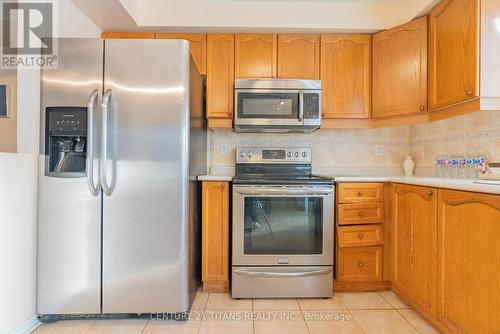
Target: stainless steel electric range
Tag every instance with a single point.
(283, 226)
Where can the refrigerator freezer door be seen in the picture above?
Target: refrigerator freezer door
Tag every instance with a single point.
(69, 215)
(145, 218)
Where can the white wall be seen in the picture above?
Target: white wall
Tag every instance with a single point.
(18, 189)
(17, 241)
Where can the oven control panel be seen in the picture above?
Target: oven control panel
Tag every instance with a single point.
(273, 155)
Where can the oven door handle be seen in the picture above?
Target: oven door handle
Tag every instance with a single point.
(275, 274)
(264, 192)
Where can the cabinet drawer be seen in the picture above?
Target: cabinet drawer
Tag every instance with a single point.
(362, 213)
(355, 236)
(360, 192)
(360, 264)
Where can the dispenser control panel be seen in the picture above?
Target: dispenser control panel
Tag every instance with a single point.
(67, 120)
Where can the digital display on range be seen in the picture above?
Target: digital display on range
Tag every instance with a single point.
(273, 154)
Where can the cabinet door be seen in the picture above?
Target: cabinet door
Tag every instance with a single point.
(197, 48)
(469, 262)
(400, 70)
(346, 76)
(220, 75)
(359, 264)
(215, 236)
(453, 52)
(255, 56)
(298, 56)
(415, 241)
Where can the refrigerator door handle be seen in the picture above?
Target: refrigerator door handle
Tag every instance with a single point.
(104, 142)
(94, 189)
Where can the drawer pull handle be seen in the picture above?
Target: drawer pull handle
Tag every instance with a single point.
(361, 236)
(361, 214)
(430, 193)
(361, 193)
(469, 92)
(360, 264)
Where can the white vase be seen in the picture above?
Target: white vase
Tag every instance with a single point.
(409, 166)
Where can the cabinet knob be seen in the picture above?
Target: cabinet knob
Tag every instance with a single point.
(422, 108)
(360, 264)
(361, 214)
(361, 193)
(230, 113)
(323, 114)
(430, 193)
(469, 92)
(361, 236)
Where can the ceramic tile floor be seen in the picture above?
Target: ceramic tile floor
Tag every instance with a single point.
(217, 313)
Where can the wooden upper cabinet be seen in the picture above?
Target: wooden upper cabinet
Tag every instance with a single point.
(138, 35)
(400, 70)
(255, 56)
(453, 52)
(197, 48)
(414, 224)
(220, 75)
(298, 56)
(346, 76)
(468, 262)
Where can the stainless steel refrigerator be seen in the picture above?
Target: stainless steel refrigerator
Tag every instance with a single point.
(123, 137)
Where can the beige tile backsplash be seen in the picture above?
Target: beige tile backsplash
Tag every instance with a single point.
(466, 134)
(330, 147)
(375, 148)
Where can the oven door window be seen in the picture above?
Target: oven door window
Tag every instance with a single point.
(268, 105)
(283, 225)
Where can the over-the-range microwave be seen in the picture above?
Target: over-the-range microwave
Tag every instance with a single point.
(277, 105)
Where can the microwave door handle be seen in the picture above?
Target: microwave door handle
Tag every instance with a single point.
(94, 189)
(301, 106)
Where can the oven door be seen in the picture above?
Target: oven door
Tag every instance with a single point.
(269, 107)
(283, 225)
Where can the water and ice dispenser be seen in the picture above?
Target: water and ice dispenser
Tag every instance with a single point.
(66, 141)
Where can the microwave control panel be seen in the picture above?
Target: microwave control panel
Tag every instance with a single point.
(312, 103)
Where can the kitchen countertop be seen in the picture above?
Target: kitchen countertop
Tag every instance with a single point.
(216, 177)
(490, 187)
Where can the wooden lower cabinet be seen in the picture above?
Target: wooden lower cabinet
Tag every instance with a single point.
(414, 231)
(360, 248)
(468, 262)
(215, 236)
(360, 192)
(360, 213)
(446, 256)
(359, 264)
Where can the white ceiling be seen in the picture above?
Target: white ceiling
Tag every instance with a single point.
(252, 15)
